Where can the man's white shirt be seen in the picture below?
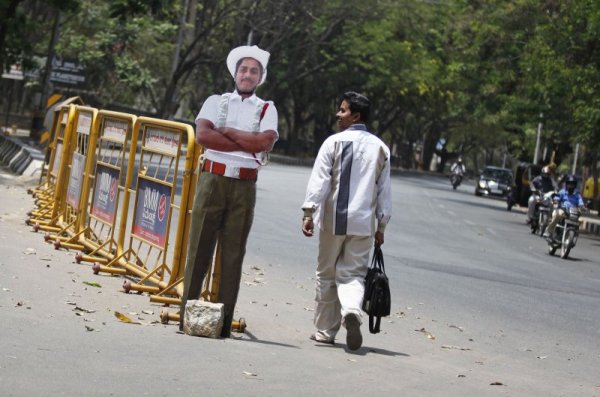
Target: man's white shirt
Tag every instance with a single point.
(242, 115)
(350, 186)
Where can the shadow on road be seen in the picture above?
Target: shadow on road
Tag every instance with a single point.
(252, 338)
(372, 350)
(477, 204)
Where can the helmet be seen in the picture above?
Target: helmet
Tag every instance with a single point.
(459, 159)
(571, 180)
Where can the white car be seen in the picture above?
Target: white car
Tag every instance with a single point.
(494, 181)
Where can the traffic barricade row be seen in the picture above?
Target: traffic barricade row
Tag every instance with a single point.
(119, 189)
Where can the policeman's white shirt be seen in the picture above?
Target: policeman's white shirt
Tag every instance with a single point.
(350, 185)
(242, 115)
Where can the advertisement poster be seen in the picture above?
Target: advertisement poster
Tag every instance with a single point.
(152, 207)
(105, 195)
(115, 130)
(75, 180)
(166, 141)
(57, 156)
(84, 123)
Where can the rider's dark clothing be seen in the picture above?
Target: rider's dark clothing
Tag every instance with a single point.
(544, 185)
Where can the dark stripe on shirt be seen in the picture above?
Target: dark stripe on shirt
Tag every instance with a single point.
(341, 214)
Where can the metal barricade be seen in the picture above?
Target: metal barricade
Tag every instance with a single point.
(56, 125)
(107, 184)
(78, 159)
(44, 192)
(51, 204)
(161, 201)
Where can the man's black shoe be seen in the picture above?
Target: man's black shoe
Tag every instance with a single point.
(353, 335)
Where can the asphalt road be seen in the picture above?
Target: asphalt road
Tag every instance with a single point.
(479, 308)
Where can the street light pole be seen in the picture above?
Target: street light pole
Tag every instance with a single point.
(575, 159)
(537, 140)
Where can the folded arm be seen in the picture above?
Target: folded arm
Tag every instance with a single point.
(252, 142)
(210, 138)
(227, 139)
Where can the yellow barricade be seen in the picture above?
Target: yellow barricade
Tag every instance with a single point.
(44, 192)
(78, 158)
(52, 204)
(161, 205)
(59, 121)
(93, 230)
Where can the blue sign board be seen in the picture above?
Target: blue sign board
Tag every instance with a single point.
(106, 193)
(152, 206)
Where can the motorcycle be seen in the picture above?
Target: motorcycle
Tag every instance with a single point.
(456, 179)
(541, 216)
(566, 233)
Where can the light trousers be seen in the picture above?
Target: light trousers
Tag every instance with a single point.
(342, 266)
(557, 216)
(531, 207)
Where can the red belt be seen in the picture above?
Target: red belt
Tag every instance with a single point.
(248, 174)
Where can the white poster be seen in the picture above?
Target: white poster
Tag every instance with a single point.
(165, 141)
(84, 123)
(115, 130)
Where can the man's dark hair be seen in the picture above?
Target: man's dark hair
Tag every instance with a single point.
(358, 104)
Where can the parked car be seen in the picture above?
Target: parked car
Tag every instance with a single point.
(494, 181)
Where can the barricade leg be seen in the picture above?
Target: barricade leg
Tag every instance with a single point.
(96, 255)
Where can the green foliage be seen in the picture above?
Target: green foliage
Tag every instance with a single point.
(476, 73)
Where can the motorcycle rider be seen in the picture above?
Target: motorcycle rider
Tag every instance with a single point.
(458, 169)
(542, 183)
(567, 197)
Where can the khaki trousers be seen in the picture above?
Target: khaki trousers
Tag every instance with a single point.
(557, 216)
(341, 270)
(223, 210)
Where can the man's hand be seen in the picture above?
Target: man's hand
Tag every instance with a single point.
(308, 226)
(379, 240)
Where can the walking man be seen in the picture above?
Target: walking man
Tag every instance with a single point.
(236, 129)
(349, 199)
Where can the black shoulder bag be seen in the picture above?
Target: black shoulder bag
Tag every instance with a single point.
(377, 300)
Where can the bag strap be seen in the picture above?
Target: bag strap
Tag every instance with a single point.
(374, 323)
(262, 114)
(377, 261)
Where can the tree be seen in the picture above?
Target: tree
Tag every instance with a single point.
(24, 26)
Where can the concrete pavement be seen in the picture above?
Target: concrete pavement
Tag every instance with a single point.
(59, 334)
